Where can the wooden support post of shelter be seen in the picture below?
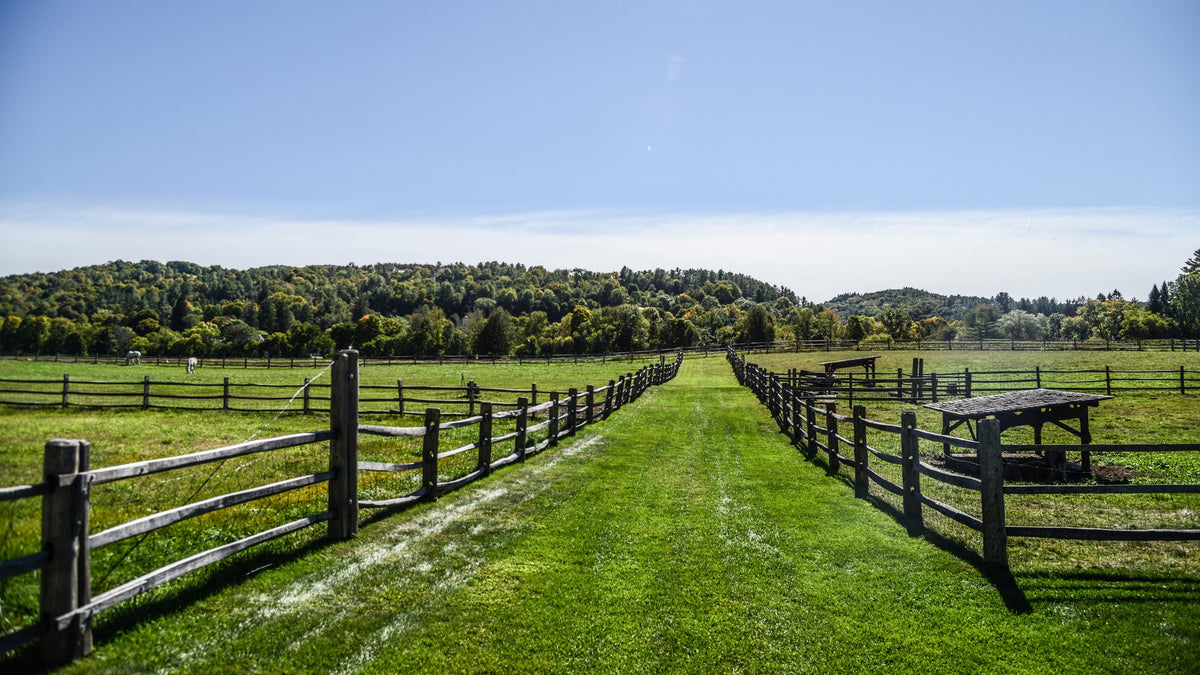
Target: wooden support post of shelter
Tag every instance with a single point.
(991, 476)
(66, 583)
(343, 447)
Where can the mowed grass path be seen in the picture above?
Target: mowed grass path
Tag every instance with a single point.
(682, 535)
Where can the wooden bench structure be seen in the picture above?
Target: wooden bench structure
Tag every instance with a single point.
(1029, 407)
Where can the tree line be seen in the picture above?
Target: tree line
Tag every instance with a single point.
(180, 309)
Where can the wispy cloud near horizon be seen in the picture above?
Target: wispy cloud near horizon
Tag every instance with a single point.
(1026, 252)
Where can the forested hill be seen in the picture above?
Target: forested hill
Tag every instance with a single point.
(921, 305)
(327, 294)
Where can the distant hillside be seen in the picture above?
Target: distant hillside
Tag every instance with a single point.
(919, 304)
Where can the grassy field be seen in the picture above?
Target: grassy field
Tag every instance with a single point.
(684, 534)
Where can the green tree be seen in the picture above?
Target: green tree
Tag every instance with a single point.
(497, 335)
(758, 325)
(896, 322)
(982, 320)
(1185, 303)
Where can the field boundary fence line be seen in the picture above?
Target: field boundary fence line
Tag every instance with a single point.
(814, 425)
(66, 603)
(312, 361)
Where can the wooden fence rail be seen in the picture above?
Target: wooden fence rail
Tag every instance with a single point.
(917, 386)
(66, 603)
(797, 415)
(146, 393)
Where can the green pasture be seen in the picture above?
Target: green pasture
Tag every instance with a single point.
(684, 534)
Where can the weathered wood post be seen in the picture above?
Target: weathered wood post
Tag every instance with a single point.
(810, 414)
(572, 410)
(967, 383)
(910, 454)
(590, 415)
(1107, 380)
(66, 583)
(608, 398)
(533, 394)
(400, 396)
(991, 476)
(485, 439)
(429, 455)
(831, 423)
(343, 448)
(66, 389)
(307, 402)
(146, 392)
(471, 388)
(225, 395)
(797, 423)
(554, 415)
(861, 485)
(522, 426)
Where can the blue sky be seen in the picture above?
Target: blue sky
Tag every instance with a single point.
(1031, 147)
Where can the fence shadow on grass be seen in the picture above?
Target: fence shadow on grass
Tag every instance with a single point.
(1104, 588)
(124, 618)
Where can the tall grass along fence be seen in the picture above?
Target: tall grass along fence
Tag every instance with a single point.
(367, 467)
(918, 386)
(861, 444)
(376, 399)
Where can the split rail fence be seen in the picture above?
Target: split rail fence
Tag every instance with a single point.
(918, 386)
(230, 395)
(66, 603)
(817, 427)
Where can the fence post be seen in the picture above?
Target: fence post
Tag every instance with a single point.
(810, 413)
(831, 424)
(343, 448)
(522, 425)
(554, 415)
(608, 397)
(1182, 390)
(796, 422)
(1037, 373)
(991, 476)
(307, 404)
(862, 486)
(471, 398)
(485, 439)
(429, 455)
(590, 416)
(572, 410)
(66, 583)
(145, 392)
(66, 389)
(533, 394)
(910, 454)
(967, 384)
(225, 395)
(1108, 380)
(400, 395)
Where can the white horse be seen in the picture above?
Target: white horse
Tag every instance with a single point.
(191, 365)
(133, 357)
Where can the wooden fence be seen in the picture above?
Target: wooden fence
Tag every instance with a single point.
(66, 603)
(147, 393)
(918, 386)
(817, 427)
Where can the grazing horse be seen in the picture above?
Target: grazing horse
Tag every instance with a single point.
(134, 357)
(191, 365)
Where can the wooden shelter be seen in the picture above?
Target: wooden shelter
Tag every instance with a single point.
(1028, 407)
